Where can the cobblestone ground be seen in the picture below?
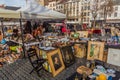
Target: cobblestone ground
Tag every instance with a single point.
(21, 68)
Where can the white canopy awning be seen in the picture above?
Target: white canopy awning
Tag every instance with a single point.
(32, 11)
(5, 13)
(28, 15)
(35, 10)
(9, 14)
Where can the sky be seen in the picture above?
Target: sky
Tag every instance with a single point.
(18, 3)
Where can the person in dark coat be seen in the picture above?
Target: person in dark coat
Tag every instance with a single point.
(28, 27)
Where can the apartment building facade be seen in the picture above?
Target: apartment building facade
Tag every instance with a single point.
(52, 4)
(85, 12)
(60, 6)
(79, 11)
(72, 10)
(112, 18)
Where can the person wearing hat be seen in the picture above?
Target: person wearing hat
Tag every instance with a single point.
(15, 33)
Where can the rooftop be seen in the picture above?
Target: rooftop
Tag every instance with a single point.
(12, 7)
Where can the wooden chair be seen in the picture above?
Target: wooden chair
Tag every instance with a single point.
(35, 61)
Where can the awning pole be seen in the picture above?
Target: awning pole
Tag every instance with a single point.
(2, 27)
(23, 45)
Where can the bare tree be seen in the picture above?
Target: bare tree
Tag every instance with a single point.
(94, 10)
(104, 6)
(107, 8)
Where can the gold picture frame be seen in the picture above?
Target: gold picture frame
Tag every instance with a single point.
(79, 50)
(55, 61)
(83, 34)
(95, 50)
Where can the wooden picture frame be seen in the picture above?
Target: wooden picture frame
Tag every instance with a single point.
(83, 34)
(55, 61)
(79, 50)
(95, 50)
(74, 35)
(68, 55)
(113, 56)
(71, 34)
(43, 54)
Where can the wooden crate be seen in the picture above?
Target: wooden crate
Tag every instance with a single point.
(105, 56)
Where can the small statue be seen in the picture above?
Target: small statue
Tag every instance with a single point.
(84, 76)
(76, 78)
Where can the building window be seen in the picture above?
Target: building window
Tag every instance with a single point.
(84, 14)
(82, 8)
(50, 5)
(85, 8)
(88, 7)
(84, 19)
(53, 4)
(109, 15)
(57, 7)
(53, 8)
(88, 20)
(115, 14)
(88, 13)
(101, 15)
(116, 8)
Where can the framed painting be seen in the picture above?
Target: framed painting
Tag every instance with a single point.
(95, 50)
(74, 35)
(113, 56)
(68, 56)
(55, 61)
(71, 34)
(79, 50)
(43, 54)
(83, 34)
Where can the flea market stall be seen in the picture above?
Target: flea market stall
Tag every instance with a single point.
(60, 46)
(20, 16)
(9, 51)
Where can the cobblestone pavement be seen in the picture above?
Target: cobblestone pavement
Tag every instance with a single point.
(21, 68)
